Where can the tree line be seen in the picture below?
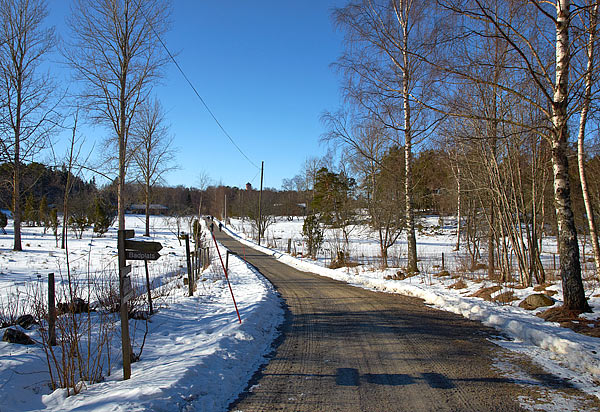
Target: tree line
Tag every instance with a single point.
(113, 52)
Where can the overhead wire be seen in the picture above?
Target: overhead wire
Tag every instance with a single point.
(196, 92)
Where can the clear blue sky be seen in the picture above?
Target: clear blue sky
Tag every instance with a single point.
(263, 67)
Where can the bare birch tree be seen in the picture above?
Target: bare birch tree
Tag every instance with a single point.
(116, 54)
(154, 153)
(590, 22)
(384, 76)
(538, 35)
(26, 96)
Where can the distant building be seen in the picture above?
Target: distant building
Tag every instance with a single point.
(248, 186)
(155, 209)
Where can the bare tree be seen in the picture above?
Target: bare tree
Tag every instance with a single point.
(72, 168)
(27, 105)
(538, 39)
(590, 21)
(384, 76)
(154, 153)
(117, 55)
(380, 167)
(202, 181)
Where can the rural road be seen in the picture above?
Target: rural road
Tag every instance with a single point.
(344, 348)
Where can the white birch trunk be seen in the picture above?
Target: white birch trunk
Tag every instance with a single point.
(581, 137)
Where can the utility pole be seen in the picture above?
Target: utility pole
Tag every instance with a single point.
(225, 211)
(262, 167)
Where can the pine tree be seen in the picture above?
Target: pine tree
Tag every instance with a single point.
(43, 213)
(30, 214)
(53, 221)
(101, 217)
(313, 233)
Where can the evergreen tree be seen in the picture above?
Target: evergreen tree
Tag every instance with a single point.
(43, 213)
(333, 198)
(3, 221)
(53, 220)
(30, 215)
(313, 233)
(101, 217)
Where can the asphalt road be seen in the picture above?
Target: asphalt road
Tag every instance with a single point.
(344, 348)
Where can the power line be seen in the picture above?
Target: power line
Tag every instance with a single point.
(196, 91)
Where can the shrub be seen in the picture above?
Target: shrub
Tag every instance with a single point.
(313, 233)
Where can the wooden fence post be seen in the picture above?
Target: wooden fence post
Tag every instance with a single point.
(124, 313)
(189, 264)
(227, 261)
(51, 310)
(148, 288)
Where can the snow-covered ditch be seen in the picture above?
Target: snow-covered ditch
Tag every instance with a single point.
(567, 354)
(196, 356)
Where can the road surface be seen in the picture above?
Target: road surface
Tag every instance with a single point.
(344, 348)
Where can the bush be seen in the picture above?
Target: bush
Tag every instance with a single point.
(313, 233)
(79, 222)
(101, 217)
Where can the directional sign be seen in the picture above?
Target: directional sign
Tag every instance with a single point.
(125, 270)
(142, 246)
(127, 289)
(141, 255)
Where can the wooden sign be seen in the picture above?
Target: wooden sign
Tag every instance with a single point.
(141, 255)
(127, 289)
(142, 246)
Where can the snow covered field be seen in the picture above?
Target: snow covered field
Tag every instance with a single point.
(196, 355)
(569, 355)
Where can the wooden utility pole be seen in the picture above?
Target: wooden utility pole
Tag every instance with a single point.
(262, 167)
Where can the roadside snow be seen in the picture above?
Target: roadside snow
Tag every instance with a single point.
(196, 356)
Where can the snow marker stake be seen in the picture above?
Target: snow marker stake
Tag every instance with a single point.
(226, 277)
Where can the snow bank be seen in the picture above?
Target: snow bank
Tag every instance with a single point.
(197, 356)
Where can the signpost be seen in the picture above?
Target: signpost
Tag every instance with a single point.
(130, 250)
